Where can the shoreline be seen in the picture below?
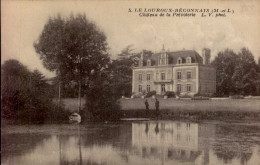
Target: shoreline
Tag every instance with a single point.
(230, 105)
(170, 115)
(247, 110)
(225, 109)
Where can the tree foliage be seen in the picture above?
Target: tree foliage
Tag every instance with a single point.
(102, 100)
(26, 96)
(236, 73)
(73, 46)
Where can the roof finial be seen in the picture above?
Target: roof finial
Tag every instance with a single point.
(163, 47)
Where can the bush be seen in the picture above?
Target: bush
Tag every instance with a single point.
(26, 95)
(170, 94)
(204, 95)
(151, 93)
(185, 96)
(217, 95)
(200, 98)
(237, 97)
(137, 95)
(106, 115)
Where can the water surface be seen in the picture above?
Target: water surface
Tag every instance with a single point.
(132, 142)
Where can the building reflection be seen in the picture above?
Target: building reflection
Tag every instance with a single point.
(177, 141)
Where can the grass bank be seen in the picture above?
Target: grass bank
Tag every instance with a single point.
(230, 105)
(222, 104)
(214, 109)
(219, 109)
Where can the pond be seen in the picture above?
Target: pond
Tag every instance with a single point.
(132, 142)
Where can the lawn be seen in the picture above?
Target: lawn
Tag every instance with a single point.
(214, 109)
(241, 105)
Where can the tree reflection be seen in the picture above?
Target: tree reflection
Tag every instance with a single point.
(17, 144)
(146, 128)
(150, 142)
(156, 129)
(235, 141)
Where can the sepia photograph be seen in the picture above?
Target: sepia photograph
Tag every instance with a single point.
(130, 82)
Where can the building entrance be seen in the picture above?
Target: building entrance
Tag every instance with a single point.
(162, 88)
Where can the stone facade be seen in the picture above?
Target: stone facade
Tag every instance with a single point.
(183, 71)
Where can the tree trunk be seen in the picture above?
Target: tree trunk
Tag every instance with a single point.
(59, 94)
(79, 98)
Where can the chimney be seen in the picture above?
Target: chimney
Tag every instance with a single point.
(206, 56)
(141, 59)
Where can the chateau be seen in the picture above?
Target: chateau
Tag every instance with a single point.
(184, 72)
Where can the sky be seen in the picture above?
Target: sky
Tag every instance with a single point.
(23, 21)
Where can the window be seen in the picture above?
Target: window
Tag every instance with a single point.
(162, 76)
(140, 88)
(178, 137)
(178, 87)
(188, 75)
(179, 61)
(163, 87)
(188, 60)
(178, 125)
(140, 77)
(163, 60)
(148, 77)
(188, 138)
(148, 88)
(148, 62)
(178, 75)
(140, 63)
(188, 125)
(188, 87)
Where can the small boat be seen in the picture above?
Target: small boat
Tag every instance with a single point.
(75, 117)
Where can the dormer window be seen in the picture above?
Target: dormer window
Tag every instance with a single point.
(188, 60)
(163, 60)
(179, 61)
(149, 62)
(140, 63)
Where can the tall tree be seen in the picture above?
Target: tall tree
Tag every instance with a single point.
(127, 52)
(121, 70)
(236, 73)
(75, 47)
(258, 64)
(246, 60)
(225, 64)
(121, 74)
(251, 82)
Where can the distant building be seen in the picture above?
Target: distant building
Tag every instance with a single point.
(183, 71)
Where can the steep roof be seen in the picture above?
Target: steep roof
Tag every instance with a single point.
(174, 56)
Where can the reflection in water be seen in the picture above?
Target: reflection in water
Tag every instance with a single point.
(173, 141)
(150, 142)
